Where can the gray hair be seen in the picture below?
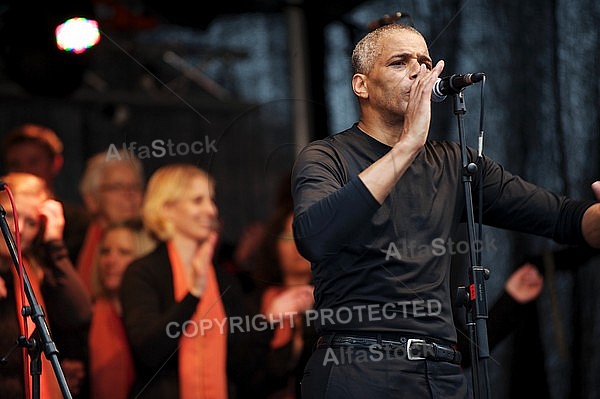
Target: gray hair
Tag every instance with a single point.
(97, 165)
(369, 47)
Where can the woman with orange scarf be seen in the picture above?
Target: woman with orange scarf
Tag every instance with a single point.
(177, 303)
(55, 282)
(111, 366)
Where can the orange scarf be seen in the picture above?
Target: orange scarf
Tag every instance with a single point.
(87, 254)
(49, 388)
(112, 371)
(203, 356)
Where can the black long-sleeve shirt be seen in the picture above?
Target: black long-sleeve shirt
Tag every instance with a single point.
(386, 268)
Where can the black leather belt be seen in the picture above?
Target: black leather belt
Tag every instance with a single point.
(414, 348)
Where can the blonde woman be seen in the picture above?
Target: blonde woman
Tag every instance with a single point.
(112, 372)
(176, 303)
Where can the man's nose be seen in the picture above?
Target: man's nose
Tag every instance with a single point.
(414, 67)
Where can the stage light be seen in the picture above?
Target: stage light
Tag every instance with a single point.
(77, 35)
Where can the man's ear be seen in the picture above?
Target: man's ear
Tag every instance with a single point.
(359, 85)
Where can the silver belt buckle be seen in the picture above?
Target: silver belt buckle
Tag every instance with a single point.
(409, 342)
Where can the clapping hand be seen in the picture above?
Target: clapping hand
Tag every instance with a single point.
(590, 225)
(201, 261)
(596, 189)
(524, 284)
(296, 299)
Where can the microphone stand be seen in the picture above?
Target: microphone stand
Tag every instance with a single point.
(475, 299)
(40, 338)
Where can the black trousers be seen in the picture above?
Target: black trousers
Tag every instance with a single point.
(333, 373)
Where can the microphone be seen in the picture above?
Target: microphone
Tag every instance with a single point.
(453, 85)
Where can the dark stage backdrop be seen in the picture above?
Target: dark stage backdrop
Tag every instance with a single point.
(541, 121)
